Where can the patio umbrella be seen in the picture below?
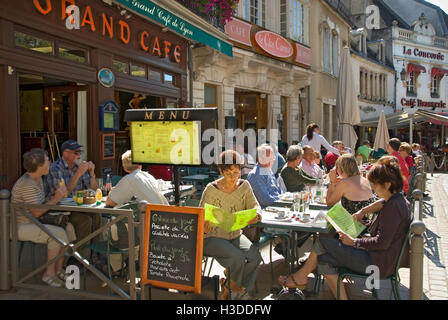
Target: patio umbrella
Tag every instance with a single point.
(347, 101)
(382, 134)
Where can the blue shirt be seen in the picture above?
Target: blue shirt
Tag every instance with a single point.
(265, 185)
(60, 170)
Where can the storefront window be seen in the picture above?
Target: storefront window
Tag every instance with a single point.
(138, 71)
(168, 79)
(435, 87)
(155, 75)
(411, 84)
(34, 43)
(73, 54)
(210, 96)
(121, 66)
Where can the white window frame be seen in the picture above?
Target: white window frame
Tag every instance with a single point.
(335, 53)
(435, 85)
(412, 83)
(260, 6)
(326, 49)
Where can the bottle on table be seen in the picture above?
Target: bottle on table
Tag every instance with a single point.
(108, 185)
(98, 196)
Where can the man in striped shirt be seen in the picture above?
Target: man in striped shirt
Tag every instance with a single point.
(77, 175)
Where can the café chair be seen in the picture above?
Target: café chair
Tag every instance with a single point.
(394, 278)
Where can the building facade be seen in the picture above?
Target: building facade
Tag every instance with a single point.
(329, 33)
(269, 73)
(58, 76)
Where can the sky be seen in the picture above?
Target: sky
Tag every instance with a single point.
(443, 4)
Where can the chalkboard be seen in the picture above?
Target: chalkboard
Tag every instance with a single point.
(173, 242)
(108, 146)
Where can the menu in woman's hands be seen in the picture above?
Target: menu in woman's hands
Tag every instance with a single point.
(343, 221)
(226, 220)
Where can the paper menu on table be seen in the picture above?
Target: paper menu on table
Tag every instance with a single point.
(343, 221)
(226, 220)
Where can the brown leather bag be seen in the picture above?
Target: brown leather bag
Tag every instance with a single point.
(252, 233)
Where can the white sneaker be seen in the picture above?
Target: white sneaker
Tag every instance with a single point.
(52, 281)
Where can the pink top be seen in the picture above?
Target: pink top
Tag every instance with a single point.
(404, 171)
(311, 169)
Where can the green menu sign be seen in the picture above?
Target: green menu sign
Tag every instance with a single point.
(162, 16)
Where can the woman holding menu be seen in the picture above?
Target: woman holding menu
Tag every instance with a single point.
(232, 249)
(381, 248)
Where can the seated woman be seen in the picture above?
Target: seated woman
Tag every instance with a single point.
(348, 186)
(382, 248)
(295, 178)
(30, 189)
(232, 249)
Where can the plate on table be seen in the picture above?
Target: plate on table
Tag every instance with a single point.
(67, 201)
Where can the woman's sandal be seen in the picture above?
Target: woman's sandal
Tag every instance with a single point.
(62, 275)
(282, 280)
(52, 281)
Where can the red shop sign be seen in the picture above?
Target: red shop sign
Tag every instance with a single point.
(274, 44)
(239, 31)
(303, 55)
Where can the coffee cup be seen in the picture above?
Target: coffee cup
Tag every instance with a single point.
(280, 214)
(306, 217)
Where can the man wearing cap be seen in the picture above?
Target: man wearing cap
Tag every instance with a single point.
(77, 175)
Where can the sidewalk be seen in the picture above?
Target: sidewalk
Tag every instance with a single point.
(435, 286)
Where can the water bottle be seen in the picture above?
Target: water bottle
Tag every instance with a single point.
(108, 185)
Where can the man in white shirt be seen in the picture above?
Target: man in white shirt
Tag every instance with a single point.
(136, 183)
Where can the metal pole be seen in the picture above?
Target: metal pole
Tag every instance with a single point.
(416, 259)
(410, 132)
(418, 180)
(417, 196)
(5, 281)
(141, 225)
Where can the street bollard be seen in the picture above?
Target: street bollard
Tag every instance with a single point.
(5, 272)
(416, 260)
(141, 221)
(417, 197)
(419, 181)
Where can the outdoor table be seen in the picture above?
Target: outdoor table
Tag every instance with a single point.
(288, 204)
(269, 220)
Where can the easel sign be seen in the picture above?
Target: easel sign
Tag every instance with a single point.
(108, 146)
(172, 250)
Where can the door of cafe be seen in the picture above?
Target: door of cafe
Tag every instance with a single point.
(49, 113)
(251, 110)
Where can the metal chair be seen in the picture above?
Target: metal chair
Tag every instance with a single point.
(394, 278)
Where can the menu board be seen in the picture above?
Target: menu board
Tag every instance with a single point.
(173, 243)
(166, 142)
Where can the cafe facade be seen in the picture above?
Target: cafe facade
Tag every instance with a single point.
(421, 64)
(267, 77)
(71, 72)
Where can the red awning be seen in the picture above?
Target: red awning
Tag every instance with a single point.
(416, 68)
(438, 71)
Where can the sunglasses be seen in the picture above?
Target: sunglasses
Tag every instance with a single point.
(78, 152)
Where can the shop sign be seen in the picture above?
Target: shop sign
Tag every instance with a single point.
(274, 44)
(110, 27)
(106, 77)
(154, 12)
(303, 55)
(423, 54)
(239, 31)
(420, 103)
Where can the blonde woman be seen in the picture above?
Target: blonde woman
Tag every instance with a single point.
(348, 186)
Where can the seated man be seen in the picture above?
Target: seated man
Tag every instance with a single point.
(308, 165)
(330, 158)
(262, 179)
(364, 150)
(136, 183)
(76, 175)
(295, 178)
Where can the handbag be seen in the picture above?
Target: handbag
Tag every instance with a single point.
(59, 219)
(252, 233)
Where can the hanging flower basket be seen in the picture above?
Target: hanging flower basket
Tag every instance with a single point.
(222, 10)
